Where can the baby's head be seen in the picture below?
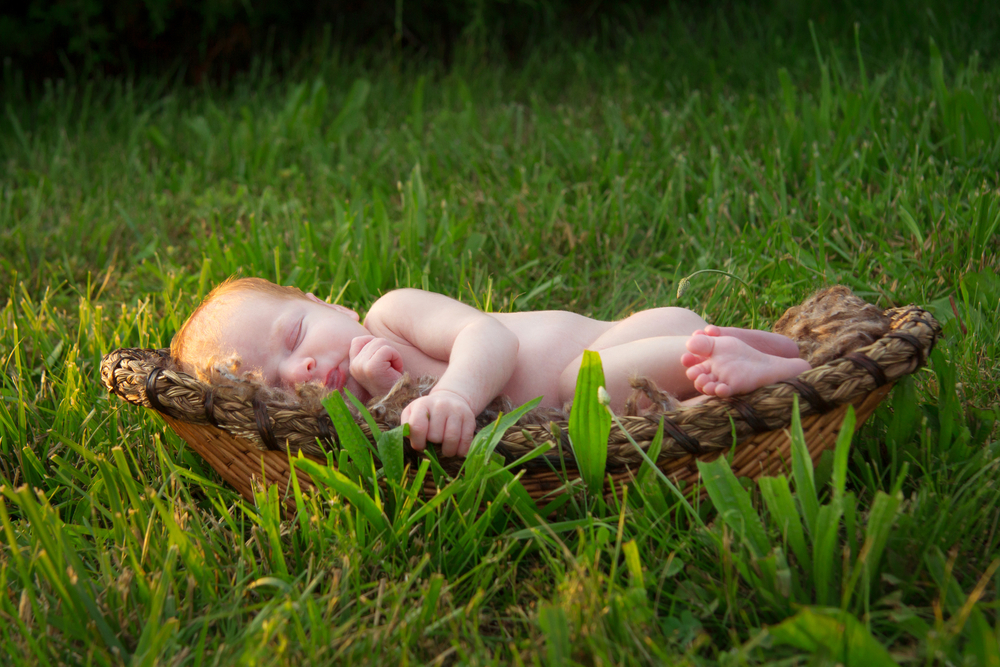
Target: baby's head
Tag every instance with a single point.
(277, 335)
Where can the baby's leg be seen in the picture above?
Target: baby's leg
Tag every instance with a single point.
(765, 341)
(671, 321)
(725, 365)
(656, 358)
(653, 323)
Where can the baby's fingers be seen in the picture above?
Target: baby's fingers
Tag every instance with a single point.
(390, 356)
(358, 344)
(468, 431)
(454, 432)
(419, 421)
(451, 437)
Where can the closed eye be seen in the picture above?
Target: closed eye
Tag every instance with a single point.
(295, 336)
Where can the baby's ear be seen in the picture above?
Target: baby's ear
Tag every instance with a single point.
(340, 309)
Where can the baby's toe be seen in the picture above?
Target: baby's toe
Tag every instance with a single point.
(701, 345)
(688, 360)
(705, 383)
(723, 390)
(695, 372)
(712, 330)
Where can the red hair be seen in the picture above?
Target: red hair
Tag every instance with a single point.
(196, 346)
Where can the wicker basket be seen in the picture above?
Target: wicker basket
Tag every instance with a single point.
(247, 440)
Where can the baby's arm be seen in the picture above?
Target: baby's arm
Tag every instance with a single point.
(481, 354)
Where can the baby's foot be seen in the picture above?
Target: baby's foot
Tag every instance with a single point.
(724, 365)
(709, 330)
(763, 341)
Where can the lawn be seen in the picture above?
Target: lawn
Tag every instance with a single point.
(791, 148)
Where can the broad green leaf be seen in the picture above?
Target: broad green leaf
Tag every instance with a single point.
(333, 478)
(350, 436)
(781, 505)
(590, 423)
(825, 544)
(390, 450)
(835, 632)
(733, 503)
(880, 521)
(841, 451)
(802, 470)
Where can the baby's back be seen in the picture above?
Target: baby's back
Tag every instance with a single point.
(549, 340)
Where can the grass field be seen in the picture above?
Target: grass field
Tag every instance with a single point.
(790, 149)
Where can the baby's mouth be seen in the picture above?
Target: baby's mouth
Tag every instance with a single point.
(335, 379)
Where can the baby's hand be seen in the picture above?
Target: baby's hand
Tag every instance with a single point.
(443, 417)
(375, 364)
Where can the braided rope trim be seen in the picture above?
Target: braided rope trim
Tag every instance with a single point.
(147, 378)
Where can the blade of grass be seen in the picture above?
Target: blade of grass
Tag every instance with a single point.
(802, 471)
(733, 503)
(590, 423)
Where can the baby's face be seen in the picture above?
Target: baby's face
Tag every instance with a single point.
(291, 340)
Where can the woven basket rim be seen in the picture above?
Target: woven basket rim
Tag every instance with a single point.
(146, 377)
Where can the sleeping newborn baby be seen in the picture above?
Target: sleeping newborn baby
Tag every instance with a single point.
(286, 337)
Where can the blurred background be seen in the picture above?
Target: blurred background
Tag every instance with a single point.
(215, 38)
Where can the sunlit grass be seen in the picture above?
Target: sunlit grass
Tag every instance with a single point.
(588, 176)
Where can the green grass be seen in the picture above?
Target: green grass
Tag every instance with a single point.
(592, 176)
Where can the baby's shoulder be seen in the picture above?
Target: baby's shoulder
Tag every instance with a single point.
(410, 309)
(400, 302)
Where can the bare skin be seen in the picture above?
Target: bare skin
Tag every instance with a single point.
(478, 356)
(724, 365)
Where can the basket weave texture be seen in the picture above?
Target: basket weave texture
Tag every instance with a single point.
(243, 437)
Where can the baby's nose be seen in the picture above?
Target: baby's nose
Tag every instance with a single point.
(302, 370)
